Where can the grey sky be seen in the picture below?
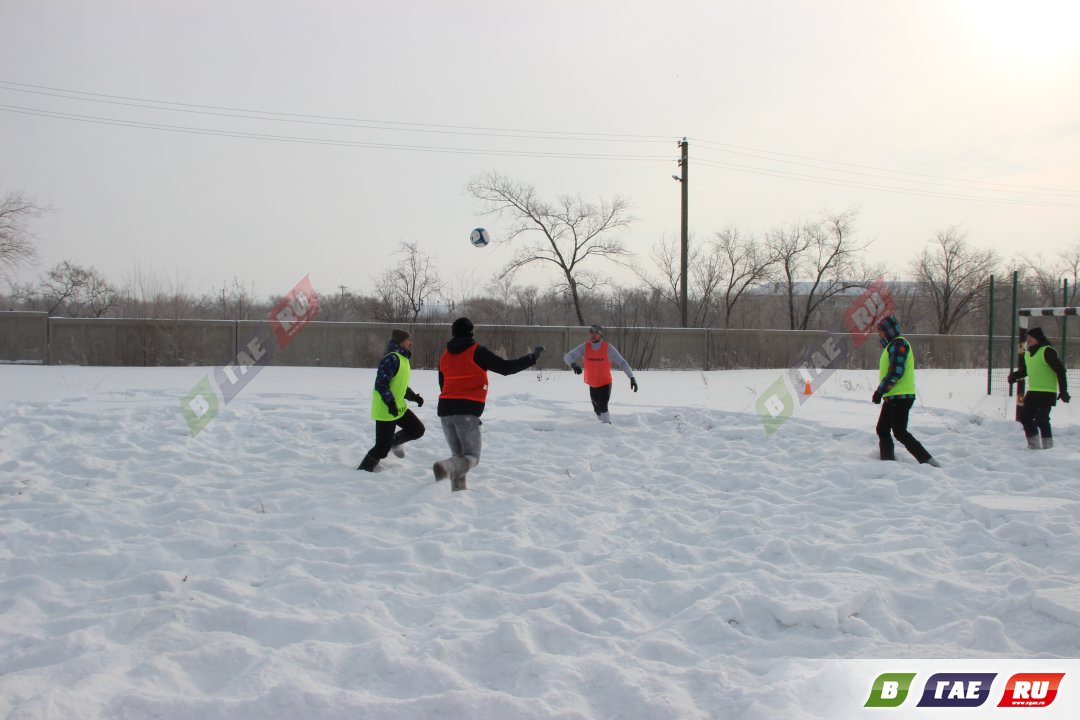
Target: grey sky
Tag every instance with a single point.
(941, 112)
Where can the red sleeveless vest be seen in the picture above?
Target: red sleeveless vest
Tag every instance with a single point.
(597, 365)
(463, 379)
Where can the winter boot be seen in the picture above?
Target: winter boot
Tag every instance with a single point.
(1033, 442)
(604, 417)
(398, 451)
(454, 468)
(451, 467)
(368, 464)
(932, 462)
(888, 453)
(1048, 442)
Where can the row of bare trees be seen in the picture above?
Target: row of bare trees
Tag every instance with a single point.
(795, 275)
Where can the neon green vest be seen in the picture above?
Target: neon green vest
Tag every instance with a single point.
(906, 384)
(398, 384)
(1040, 377)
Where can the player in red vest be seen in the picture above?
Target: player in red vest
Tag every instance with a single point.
(463, 384)
(597, 355)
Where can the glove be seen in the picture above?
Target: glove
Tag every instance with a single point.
(393, 408)
(633, 384)
(537, 352)
(1014, 376)
(1063, 396)
(877, 397)
(418, 400)
(576, 368)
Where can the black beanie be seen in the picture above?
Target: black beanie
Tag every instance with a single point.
(1038, 334)
(398, 336)
(462, 327)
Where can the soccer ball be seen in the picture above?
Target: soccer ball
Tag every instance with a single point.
(479, 237)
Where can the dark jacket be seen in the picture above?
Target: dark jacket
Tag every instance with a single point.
(388, 368)
(487, 360)
(1052, 359)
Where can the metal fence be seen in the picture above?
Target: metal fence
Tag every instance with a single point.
(27, 337)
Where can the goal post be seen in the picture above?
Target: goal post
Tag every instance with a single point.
(1025, 315)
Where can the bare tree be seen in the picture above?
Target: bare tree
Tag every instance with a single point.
(1048, 275)
(77, 291)
(789, 245)
(667, 260)
(405, 289)
(566, 233)
(817, 261)
(527, 298)
(706, 274)
(16, 241)
(745, 264)
(239, 301)
(954, 276)
(1068, 266)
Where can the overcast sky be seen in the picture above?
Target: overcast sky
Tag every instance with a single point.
(190, 142)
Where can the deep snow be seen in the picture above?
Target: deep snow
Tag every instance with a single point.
(676, 564)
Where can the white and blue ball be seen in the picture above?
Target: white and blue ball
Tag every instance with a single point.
(479, 237)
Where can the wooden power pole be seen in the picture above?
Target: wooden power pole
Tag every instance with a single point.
(684, 180)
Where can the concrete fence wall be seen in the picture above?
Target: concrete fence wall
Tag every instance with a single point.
(27, 337)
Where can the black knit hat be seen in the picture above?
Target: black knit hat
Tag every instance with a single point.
(597, 328)
(1038, 334)
(462, 327)
(398, 336)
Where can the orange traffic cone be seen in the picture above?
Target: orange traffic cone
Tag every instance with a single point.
(808, 390)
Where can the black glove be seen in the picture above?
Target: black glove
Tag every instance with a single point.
(537, 352)
(418, 400)
(1063, 396)
(877, 397)
(576, 368)
(393, 408)
(1014, 376)
(633, 384)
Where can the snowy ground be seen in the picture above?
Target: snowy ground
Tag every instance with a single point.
(669, 566)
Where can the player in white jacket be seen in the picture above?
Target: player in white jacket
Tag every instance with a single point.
(596, 357)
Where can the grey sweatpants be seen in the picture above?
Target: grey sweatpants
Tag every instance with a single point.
(463, 436)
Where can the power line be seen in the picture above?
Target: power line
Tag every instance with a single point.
(881, 188)
(741, 150)
(768, 156)
(322, 141)
(327, 120)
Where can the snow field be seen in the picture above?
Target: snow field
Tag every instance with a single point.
(660, 567)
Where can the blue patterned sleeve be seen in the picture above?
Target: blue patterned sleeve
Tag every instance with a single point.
(898, 355)
(387, 370)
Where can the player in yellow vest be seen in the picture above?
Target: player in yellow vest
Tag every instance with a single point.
(388, 402)
(1046, 384)
(597, 355)
(896, 393)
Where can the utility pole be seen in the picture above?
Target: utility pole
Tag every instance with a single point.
(684, 180)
